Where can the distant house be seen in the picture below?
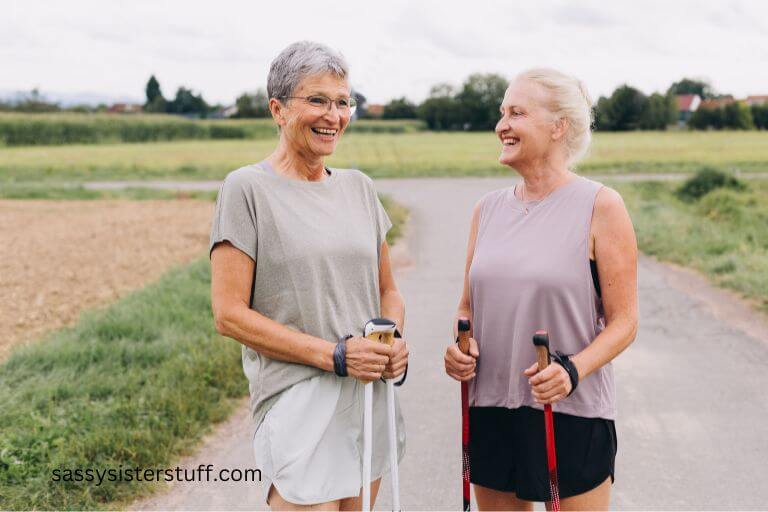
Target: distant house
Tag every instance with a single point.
(756, 100)
(687, 104)
(223, 112)
(125, 108)
(375, 110)
(716, 103)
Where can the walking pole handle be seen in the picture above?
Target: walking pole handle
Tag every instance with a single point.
(541, 341)
(464, 335)
(381, 330)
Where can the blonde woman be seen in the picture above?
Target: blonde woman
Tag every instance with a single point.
(555, 252)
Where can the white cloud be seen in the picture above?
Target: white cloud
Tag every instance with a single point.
(395, 48)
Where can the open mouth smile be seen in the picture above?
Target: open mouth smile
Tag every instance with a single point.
(510, 141)
(325, 131)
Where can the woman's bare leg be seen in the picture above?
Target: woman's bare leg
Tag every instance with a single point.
(491, 499)
(598, 498)
(277, 502)
(356, 503)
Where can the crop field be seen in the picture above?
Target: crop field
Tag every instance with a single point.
(67, 128)
(417, 154)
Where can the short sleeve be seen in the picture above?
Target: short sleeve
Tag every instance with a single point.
(383, 224)
(234, 218)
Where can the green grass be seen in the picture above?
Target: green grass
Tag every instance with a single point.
(415, 154)
(398, 214)
(135, 385)
(723, 235)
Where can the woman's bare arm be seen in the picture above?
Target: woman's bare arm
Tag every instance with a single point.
(231, 279)
(458, 365)
(392, 307)
(615, 249)
(465, 309)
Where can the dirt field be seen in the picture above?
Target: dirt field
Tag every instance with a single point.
(58, 258)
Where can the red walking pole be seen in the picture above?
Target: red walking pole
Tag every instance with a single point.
(541, 341)
(464, 347)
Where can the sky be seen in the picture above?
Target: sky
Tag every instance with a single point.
(394, 47)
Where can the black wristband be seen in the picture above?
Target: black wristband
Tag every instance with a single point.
(565, 361)
(340, 357)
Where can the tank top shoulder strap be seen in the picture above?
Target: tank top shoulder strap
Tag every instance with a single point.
(489, 204)
(589, 187)
(582, 198)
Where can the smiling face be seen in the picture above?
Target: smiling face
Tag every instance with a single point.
(307, 128)
(527, 129)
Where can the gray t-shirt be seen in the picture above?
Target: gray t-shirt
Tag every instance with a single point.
(316, 246)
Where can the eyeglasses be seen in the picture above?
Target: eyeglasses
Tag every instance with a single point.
(345, 106)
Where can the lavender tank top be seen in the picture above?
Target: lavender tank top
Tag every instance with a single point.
(530, 271)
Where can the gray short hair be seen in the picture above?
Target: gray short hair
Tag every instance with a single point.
(300, 60)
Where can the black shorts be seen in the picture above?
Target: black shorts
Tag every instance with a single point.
(507, 451)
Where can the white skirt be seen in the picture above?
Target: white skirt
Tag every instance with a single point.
(310, 444)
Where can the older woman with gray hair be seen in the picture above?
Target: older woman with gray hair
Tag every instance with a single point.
(555, 252)
(300, 263)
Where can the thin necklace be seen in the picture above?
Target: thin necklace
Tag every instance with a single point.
(522, 196)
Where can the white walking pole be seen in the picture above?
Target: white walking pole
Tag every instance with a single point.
(367, 444)
(393, 446)
(382, 330)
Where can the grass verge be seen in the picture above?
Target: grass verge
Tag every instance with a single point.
(723, 235)
(398, 214)
(136, 384)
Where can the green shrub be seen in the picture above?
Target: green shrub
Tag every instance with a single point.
(705, 181)
(726, 267)
(725, 205)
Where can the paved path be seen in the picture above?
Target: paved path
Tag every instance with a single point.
(692, 407)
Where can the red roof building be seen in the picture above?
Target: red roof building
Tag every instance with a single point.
(375, 110)
(687, 104)
(125, 108)
(715, 104)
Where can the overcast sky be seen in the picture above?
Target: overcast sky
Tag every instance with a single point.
(395, 47)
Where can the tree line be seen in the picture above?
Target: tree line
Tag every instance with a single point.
(733, 116)
(185, 102)
(629, 109)
(475, 106)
